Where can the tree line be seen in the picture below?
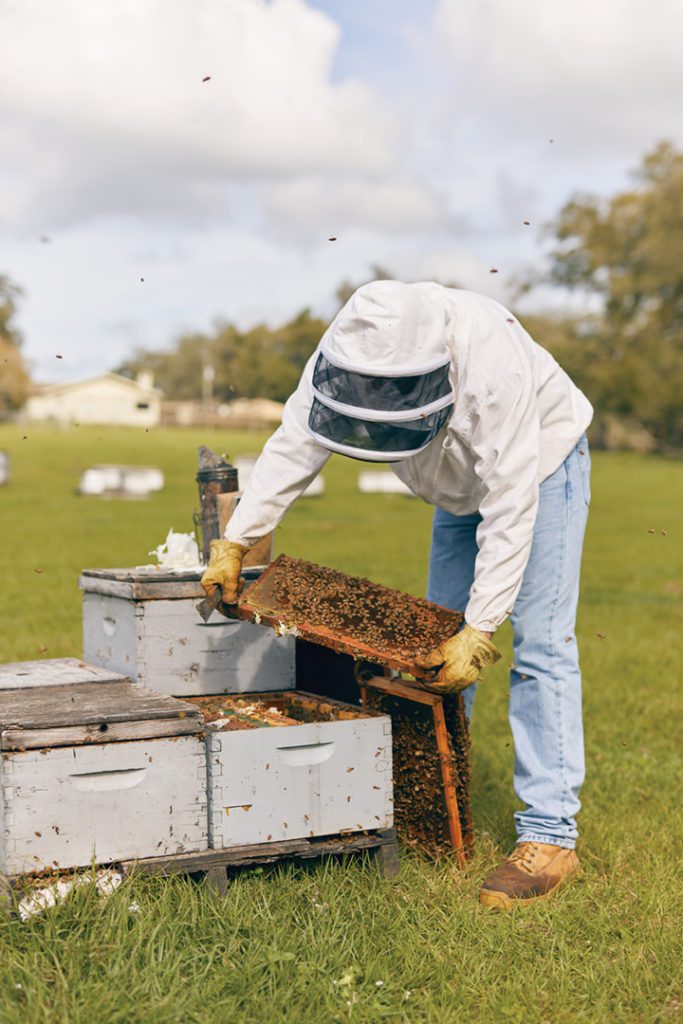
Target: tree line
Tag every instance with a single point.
(262, 362)
(625, 251)
(14, 378)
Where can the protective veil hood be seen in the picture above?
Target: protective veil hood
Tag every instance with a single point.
(389, 328)
(381, 388)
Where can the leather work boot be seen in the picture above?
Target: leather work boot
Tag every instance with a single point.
(531, 872)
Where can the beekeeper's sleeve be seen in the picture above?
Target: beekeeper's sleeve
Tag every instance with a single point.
(290, 460)
(504, 438)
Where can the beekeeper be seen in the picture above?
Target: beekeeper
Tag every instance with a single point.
(448, 388)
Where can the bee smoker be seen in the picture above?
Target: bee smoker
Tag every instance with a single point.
(215, 476)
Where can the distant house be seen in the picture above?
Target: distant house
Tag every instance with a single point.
(108, 399)
(242, 413)
(252, 412)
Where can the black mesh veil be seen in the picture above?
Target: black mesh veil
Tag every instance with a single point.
(401, 438)
(381, 394)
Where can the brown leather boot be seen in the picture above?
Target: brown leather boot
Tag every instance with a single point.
(532, 872)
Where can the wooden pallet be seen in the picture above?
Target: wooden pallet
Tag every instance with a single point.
(214, 865)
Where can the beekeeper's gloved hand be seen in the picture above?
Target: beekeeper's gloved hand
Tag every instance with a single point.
(461, 659)
(225, 566)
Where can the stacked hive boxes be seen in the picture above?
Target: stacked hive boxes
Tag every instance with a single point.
(281, 764)
(95, 769)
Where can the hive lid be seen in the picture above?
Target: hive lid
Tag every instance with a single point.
(21, 675)
(148, 582)
(144, 573)
(347, 613)
(90, 712)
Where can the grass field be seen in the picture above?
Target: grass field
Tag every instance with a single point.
(335, 942)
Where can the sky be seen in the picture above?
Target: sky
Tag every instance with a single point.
(170, 162)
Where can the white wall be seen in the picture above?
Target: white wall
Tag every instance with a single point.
(104, 400)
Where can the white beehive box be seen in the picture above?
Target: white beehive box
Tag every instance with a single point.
(93, 769)
(331, 773)
(121, 481)
(144, 623)
(381, 481)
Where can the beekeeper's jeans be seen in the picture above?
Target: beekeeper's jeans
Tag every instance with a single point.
(545, 680)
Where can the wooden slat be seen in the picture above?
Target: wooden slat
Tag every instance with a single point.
(339, 846)
(78, 735)
(82, 704)
(450, 798)
(400, 688)
(260, 853)
(388, 860)
(21, 675)
(185, 863)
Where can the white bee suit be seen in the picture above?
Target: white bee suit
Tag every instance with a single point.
(515, 416)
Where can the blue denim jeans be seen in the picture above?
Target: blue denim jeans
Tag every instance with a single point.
(545, 679)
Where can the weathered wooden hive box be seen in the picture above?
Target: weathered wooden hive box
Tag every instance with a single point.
(143, 623)
(293, 765)
(95, 769)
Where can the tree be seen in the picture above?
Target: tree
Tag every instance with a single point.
(14, 379)
(262, 362)
(628, 251)
(178, 372)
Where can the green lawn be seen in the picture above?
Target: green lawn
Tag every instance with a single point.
(335, 942)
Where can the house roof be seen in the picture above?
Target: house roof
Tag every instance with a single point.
(55, 389)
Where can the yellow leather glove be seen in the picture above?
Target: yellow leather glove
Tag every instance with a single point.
(224, 568)
(461, 659)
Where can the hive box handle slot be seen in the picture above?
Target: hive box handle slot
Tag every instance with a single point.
(306, 753)
(121, 778)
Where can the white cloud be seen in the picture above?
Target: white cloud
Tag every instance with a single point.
(86, 301)
(105, 104)
(459, 267)
(311, 208)
(222, 194)
(602, 75)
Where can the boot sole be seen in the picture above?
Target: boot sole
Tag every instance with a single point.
(501, 901)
